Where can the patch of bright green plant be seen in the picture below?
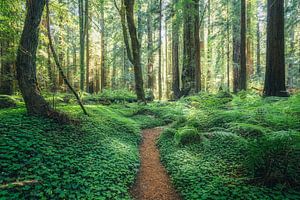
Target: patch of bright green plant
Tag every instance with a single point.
(97, 159)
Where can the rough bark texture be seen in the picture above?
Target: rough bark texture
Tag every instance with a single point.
(275, 69)
(190, 47)
(129, 4)
(26, 60)
(175, 53)
(243, 67)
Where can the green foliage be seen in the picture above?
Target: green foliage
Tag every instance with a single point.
(275, 158)
(187, 135)
(97, 159)
(7, 102)
(248, 130)
(248, 147)
(110, 96)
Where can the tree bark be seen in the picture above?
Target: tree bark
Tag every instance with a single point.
(87, 26)
(160, 52)
(129, 4)
(26, 61)
(190, 48)
(243, 67)
(175, 52)
(275, 69)
(102, 53)
(150, 48)
(81, 35)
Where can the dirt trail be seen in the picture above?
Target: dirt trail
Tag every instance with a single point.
(153, 182)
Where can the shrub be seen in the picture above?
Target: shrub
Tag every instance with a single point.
(275, 158)
(7, 102)
(248, 130)
(169, 133)
(187, 135)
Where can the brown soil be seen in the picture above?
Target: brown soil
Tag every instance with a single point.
(153, 182)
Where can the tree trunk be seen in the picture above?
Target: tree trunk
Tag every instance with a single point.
(129, 4)
(150, 47)
(58, 63)
(81, 33)
(159, 52)
(275, 69)
(249, 40)
(87, 26)
(190, 47)
(102, 54)
(258, 67)
(243, 67)
(26, 61)
(197, 46)
(175, 53)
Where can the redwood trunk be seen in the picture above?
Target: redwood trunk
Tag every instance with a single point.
(26, 60)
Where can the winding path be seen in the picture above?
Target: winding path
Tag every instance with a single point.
(153, 182)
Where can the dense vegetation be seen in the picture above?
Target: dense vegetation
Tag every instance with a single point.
(79, 80)
(240, 147)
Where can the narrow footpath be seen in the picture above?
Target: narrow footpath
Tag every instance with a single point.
(153, 182)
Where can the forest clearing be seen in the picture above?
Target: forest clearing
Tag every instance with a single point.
(150, 100)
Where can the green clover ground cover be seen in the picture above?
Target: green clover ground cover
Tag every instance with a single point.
(95, 160)
(243, 147)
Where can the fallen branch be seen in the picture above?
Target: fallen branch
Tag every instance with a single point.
(57, 60)
(19, 183)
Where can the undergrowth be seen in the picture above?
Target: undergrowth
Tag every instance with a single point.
(97, 159)
(234, 147)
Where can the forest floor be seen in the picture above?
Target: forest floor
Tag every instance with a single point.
(152, 181)
(216, 146)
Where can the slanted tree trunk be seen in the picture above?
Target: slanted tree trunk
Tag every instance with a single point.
(135, 47)
(243, 67)
(26, 60)
(275, 69)
(56, 59)
(175, 53)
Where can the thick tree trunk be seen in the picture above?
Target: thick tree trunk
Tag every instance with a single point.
(243, 67)
(129, 4)
(175, 53)
(190, 47)
(26, 60)
(275, 69)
